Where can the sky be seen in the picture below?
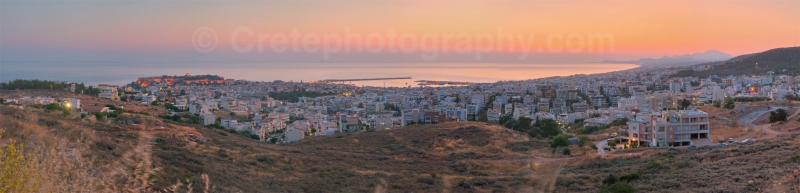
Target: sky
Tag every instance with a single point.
(388, 30)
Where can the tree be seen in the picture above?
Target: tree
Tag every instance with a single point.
(561, 140)
(582, 139)
(183, 92)
(232, 114)
(549, 127)
(778, 115)
(361, 105)
(628, 177)
(717, 103)
(618, 188)
(535, 132)
(524, 123)
(790, 98)
(612, 143)
(729, 103)
(566, 151)
(511, 124)
(483, 117)
(175, 118)
(685, 103)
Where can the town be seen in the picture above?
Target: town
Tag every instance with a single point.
(651, 107)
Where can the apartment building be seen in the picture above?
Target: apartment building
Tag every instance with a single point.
(668, 128)
(108, 91)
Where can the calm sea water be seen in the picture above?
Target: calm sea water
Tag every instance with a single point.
(472, 72)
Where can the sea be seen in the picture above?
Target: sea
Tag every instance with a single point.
(124, 73)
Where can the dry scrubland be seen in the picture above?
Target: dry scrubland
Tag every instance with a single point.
(725, 122)
(431, 158)
(60, 153)
(765, 166)
(66, 153)
(73, 154)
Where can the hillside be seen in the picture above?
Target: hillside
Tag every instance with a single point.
(779, 60)
(155, 155)
(765, 166)
(678, 60)
(431, 158)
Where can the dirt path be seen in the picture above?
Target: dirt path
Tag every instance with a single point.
(748, 122)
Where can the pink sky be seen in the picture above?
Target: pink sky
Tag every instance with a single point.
(640, 28)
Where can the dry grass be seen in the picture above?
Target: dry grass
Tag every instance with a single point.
(724, 129)
(765, 166)
(70, 154)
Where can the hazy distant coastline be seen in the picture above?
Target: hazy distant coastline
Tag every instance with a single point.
(483, 72)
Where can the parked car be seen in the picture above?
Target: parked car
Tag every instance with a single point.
(722, 140)
(606, 148)
(722, 145)
(748, 141)
(730, 140)
(672, 149)
(613, 135)
(692, 147)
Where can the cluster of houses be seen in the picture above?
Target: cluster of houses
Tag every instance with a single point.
(651, 99)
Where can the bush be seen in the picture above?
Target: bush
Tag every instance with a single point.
(535, 132)
(610, 179)
(582, 139)
(265, 159)
(566, 151)
(778, 115)
(618, 188)
(628, 177)
(612, 143)
(99, 115)
(562, 140)
(19, 169)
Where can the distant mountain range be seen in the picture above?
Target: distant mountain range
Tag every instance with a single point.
(679, 60)
(778, 60)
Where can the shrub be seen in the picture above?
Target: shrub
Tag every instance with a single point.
(562, 140)
(566, 151)
(265, 159)
(425, 180)
(618, 188)
(19, 169)
(99, 115)
(612, 143)
(778, 115)
(610, 179)
(582, 139)
(535, 132)
(628, 177)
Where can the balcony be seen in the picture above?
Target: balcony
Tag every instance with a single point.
(691, 131)
(682, 139)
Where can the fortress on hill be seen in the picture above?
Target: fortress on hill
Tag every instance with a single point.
(186, 79)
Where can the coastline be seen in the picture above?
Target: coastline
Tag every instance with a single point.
(475, 72)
